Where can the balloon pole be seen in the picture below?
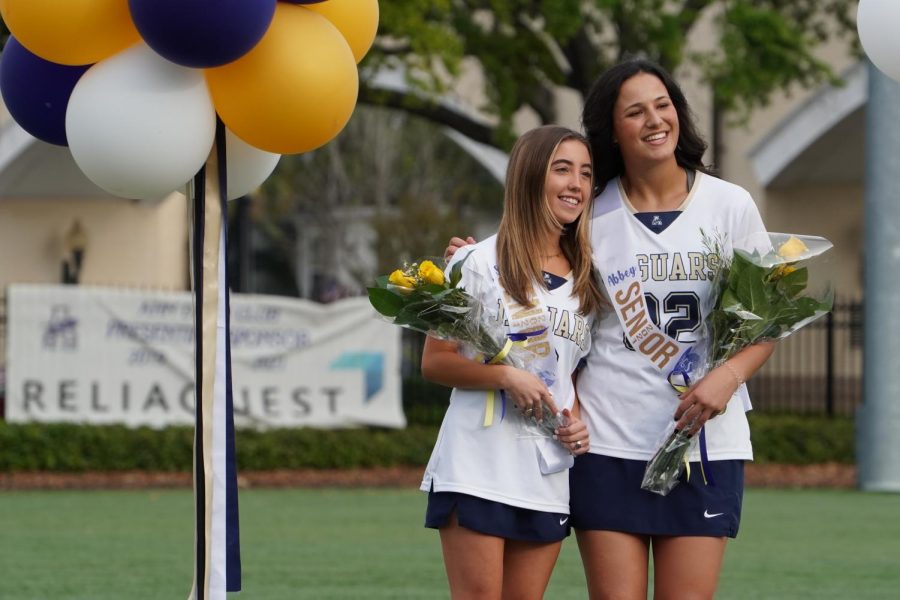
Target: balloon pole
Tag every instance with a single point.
(217, 566)
(176, 65)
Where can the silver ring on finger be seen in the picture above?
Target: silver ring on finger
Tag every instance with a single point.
(528, 411)
(578, 444)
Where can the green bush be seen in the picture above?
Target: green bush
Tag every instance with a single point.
(334, 449)
(794, 439)
(73, 448)
(65, 447)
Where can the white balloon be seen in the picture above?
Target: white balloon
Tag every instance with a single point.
(877, 22)
(140, 126)
(248, 166)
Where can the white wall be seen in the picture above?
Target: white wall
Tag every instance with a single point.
(129, 243)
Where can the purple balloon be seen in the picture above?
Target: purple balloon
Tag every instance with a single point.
(202, 33)
(36, 91)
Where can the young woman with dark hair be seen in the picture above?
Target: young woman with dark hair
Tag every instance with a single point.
(656, 201)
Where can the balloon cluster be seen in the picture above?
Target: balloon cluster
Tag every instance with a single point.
(133, 87)
(877, 21)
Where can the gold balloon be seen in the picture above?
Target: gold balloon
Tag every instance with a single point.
(71, 32)
(294, 91)
(356, 19)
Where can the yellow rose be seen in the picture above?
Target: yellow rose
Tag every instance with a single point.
(792, 248)
(401, 279)
(784, 270)
(429, 272)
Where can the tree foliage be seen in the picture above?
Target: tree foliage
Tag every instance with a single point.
(527, 48)
(411, 184)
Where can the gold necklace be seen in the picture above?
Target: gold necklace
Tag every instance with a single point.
(552, 255)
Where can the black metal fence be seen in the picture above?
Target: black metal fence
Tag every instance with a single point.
(817, 370)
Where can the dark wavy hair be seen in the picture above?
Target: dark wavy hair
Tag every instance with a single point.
(597, 119)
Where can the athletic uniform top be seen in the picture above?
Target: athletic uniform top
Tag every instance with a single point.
(501, 462)
(626, 401)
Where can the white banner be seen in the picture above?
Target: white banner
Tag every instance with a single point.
(100, 355)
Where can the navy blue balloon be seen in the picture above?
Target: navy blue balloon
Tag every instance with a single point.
(36, 91)
(202, 33)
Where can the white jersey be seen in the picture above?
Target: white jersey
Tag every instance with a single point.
(626, 401)
(500, 462)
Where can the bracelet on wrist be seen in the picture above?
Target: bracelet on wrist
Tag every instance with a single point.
(737, 376)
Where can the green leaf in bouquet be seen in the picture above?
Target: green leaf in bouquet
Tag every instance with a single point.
(456, 274)
(456, 271)
(431, 289)
(729, 302)
(382, 281)
(751, 290)
(410, 316)
(731, 306)
(385, 301)
(795, 315)
(739, 262)
(807, 307)
(754, 257)
(453, 301)
(793, 283)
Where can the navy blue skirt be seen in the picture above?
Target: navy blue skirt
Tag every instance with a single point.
(606, 495)
(496, 519)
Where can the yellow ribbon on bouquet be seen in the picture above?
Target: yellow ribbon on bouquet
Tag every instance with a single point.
(512, 340)
(497, 359)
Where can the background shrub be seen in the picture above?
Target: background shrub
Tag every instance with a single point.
(786, 439)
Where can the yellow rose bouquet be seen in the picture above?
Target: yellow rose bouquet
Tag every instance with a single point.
(418, 296)
(763, 291)
(766, 293)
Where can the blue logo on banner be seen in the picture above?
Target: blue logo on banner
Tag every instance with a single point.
(370, 363)
(62, 329)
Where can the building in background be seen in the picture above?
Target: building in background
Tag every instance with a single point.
(801, 158)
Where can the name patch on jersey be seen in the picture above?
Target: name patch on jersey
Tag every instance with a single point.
(621, 276)
(646, 337)
(565, 324)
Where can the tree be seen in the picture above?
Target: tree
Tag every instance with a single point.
(390, 188)
(526, 48)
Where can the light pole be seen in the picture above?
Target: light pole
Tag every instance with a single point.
(878, 419)
(75, 243)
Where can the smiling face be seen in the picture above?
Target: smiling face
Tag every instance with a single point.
(567, 186)
(645, 122)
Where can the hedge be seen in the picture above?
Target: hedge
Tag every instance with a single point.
(801, 439)
(72, 448)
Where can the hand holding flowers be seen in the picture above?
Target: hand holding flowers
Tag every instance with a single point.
(421, 298)
(706, 399)
(760, 294)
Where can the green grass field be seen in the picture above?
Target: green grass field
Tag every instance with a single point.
(369, 544)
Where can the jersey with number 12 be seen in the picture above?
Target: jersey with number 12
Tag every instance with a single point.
(626, 402)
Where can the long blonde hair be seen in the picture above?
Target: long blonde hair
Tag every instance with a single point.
(527, 217)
